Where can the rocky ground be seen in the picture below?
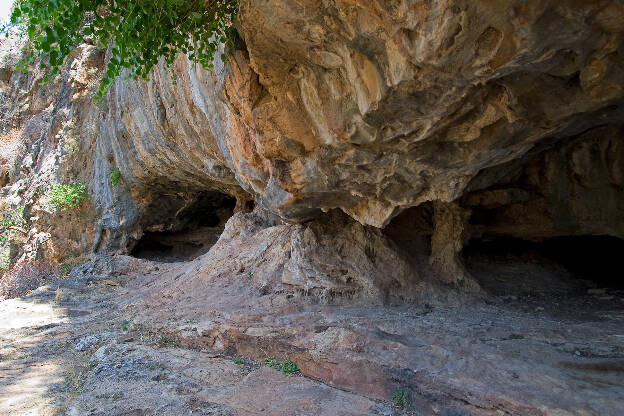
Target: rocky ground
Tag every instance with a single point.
(73, 351)
(99, 343)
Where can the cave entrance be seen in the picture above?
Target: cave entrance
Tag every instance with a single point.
(411, 231)
(563, 264)
(181, 228)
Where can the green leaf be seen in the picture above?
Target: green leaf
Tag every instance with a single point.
(141, 31)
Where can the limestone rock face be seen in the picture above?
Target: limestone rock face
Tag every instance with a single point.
(573, 189)
(47, 136)
(370, 108)
(373, 107)
(332, 259)
(504, 117)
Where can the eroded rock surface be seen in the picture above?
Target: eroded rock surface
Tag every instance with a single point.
(128, 372)
(551, 347)
(509, 115)
(371, 108)
(376, 107)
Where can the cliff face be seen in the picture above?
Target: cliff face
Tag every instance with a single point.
(376, 107)
(48, 136)
(493, 119)
(514, 109)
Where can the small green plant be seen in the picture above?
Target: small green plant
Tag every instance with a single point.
(117, 396)
(401, 398)
(239, 361)
(73, 374)
(5, 262)
(11, 220)
(165, 342)
(62, 197)
(114, 176)
(68, 265)
(461, 282)
(270, 361)
(125, 325)
(287, 367)
(66, 268)
(20, 212)
(154, 366)
(5, 229)
(249, 275)
(71, 146)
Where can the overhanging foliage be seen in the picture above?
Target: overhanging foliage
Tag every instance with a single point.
(140, 32)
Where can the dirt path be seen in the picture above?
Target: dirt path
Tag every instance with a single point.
(80, 356)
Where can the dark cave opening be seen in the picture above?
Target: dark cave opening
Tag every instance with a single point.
(411, 232)
(504, 264)
(181, 228)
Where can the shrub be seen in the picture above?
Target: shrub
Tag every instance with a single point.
(24, 277)
(114, 176)
(9, 220)
(63, 197)
(5, 262)
(140, 32)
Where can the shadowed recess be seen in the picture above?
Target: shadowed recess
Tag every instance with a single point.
(183, 230)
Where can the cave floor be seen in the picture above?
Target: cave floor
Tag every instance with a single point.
(119, 341)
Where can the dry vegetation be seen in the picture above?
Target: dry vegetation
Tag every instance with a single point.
(24, 277)
(10, 144)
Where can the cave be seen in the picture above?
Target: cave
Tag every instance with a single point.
(565, 264)
(182, 227)
(411, 232)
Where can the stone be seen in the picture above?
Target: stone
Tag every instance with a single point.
(86, 343)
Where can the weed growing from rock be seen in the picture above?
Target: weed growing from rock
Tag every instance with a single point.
(163, 342)
(12, 220)
(5, 262)
(401, 398)
(286, 366)
(67, 266)
(114, 176)
(154, 366)
(269, 361)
